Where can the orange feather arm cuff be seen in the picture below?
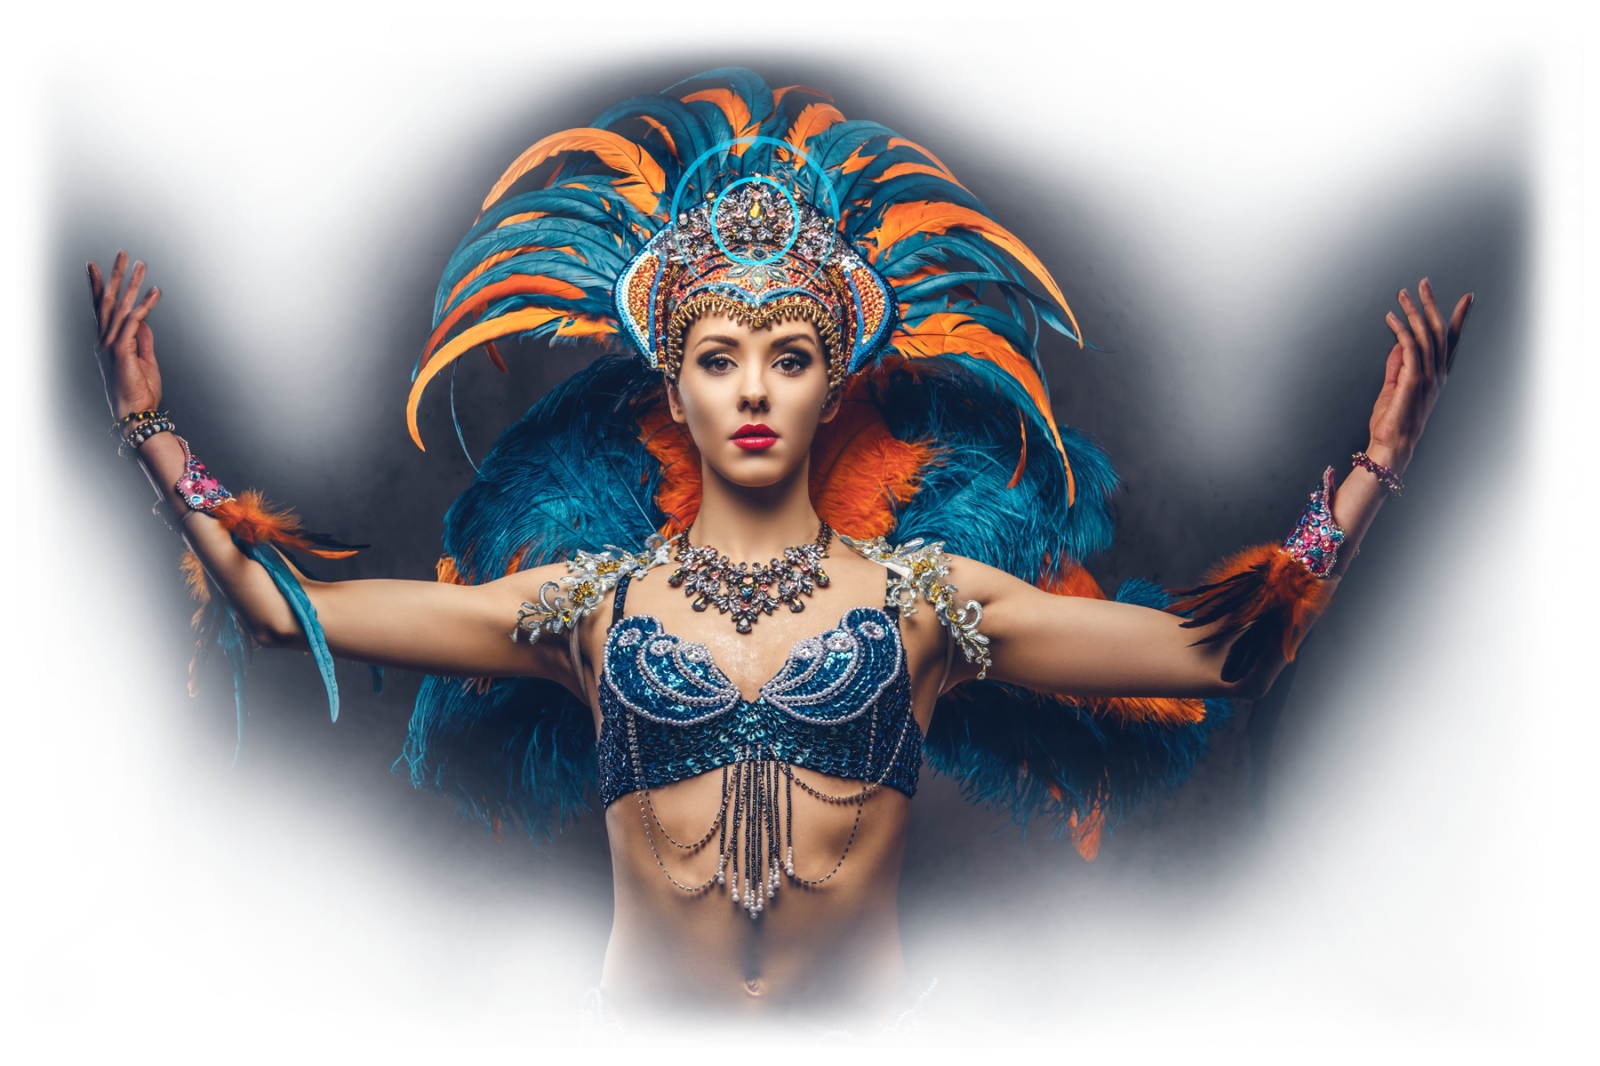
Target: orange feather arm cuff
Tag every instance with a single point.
(1270, 592)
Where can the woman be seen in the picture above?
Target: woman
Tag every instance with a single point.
(829, 364)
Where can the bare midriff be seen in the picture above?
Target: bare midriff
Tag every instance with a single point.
(817, 951)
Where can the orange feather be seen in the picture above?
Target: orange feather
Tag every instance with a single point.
(949, 333)
(194, 577)
(586, 326)
(944, 171)
(1022, 460)
(1085, 830)
(921, 216)
(918, 168)
(1286, 586)
(860, 473)
(733, 107)
(249, 517)
(468, 339)
(856, 162)
(526, 216)
(644, 179)
(493, 353)
(448, 574)
(500, 257)
(813, 120)
(678, 493)
(516, 285)
(659, 128)
(779, 94)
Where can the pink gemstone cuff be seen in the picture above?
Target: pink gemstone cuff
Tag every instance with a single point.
(1315, 541)
(198, 488)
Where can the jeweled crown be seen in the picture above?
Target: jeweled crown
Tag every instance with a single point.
(759, 253)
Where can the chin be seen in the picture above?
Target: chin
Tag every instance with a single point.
(755, 470)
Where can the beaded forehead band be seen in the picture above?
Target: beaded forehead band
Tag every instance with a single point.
(759, 253)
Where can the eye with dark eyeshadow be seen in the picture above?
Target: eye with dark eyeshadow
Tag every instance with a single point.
(794, 362)
(714, 362)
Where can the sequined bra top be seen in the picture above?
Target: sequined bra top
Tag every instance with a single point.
(840, 705)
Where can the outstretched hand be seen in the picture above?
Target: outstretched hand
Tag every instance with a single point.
(125, 347)
(1419, 363)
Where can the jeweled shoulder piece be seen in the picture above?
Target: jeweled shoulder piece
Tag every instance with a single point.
(1315, 541)
(563, 604)
(920, 569)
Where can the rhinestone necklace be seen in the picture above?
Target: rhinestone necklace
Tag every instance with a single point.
(751, 592)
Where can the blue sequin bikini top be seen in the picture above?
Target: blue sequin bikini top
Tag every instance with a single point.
(840, 705)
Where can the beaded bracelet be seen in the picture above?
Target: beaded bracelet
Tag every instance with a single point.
(135, 416)
(1390, 479)
(143, 431)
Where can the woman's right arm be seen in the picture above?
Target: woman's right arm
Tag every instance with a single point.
(433, 627)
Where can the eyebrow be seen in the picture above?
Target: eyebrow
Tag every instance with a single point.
(716, 338)
(776, 342)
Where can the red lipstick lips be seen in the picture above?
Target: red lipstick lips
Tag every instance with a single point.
(753, 438)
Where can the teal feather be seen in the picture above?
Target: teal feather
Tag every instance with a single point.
(304, 612)
(230, 637)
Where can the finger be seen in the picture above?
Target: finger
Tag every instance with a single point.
(1391, 369)
(108, 296)
(125, 300)
(1458, 321)
(135, 320)
(96, 286)
(146, 305)
(130, 295)
(1419, 332)
(1410, 359)
(1436, 331)
(146, 343)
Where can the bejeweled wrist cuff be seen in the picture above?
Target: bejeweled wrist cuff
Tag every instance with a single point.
(198, 488)
(1315, 541)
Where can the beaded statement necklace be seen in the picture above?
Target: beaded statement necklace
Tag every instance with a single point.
(751, 592)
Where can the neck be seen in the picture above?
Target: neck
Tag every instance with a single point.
(755, 524)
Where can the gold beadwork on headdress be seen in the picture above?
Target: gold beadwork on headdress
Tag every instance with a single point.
(792, 307)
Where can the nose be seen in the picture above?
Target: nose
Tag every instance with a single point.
(753, 387)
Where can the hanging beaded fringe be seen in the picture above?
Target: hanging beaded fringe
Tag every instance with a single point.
(751, 832)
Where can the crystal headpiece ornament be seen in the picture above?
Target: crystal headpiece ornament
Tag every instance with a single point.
(756, 251)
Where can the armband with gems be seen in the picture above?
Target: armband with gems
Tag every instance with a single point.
(1269, 593)
(919, 569)
(589, 578)
(198, 488)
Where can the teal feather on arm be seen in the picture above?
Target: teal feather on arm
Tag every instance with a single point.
(300, 604)
(232, 639)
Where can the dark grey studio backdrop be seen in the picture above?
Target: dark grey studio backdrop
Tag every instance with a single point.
(1218, 416)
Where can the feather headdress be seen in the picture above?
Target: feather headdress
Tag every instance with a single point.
(945, 432)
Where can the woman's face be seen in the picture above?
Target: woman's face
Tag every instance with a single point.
(752, 399)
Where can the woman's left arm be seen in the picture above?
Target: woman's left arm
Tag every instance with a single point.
(1088, 647)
